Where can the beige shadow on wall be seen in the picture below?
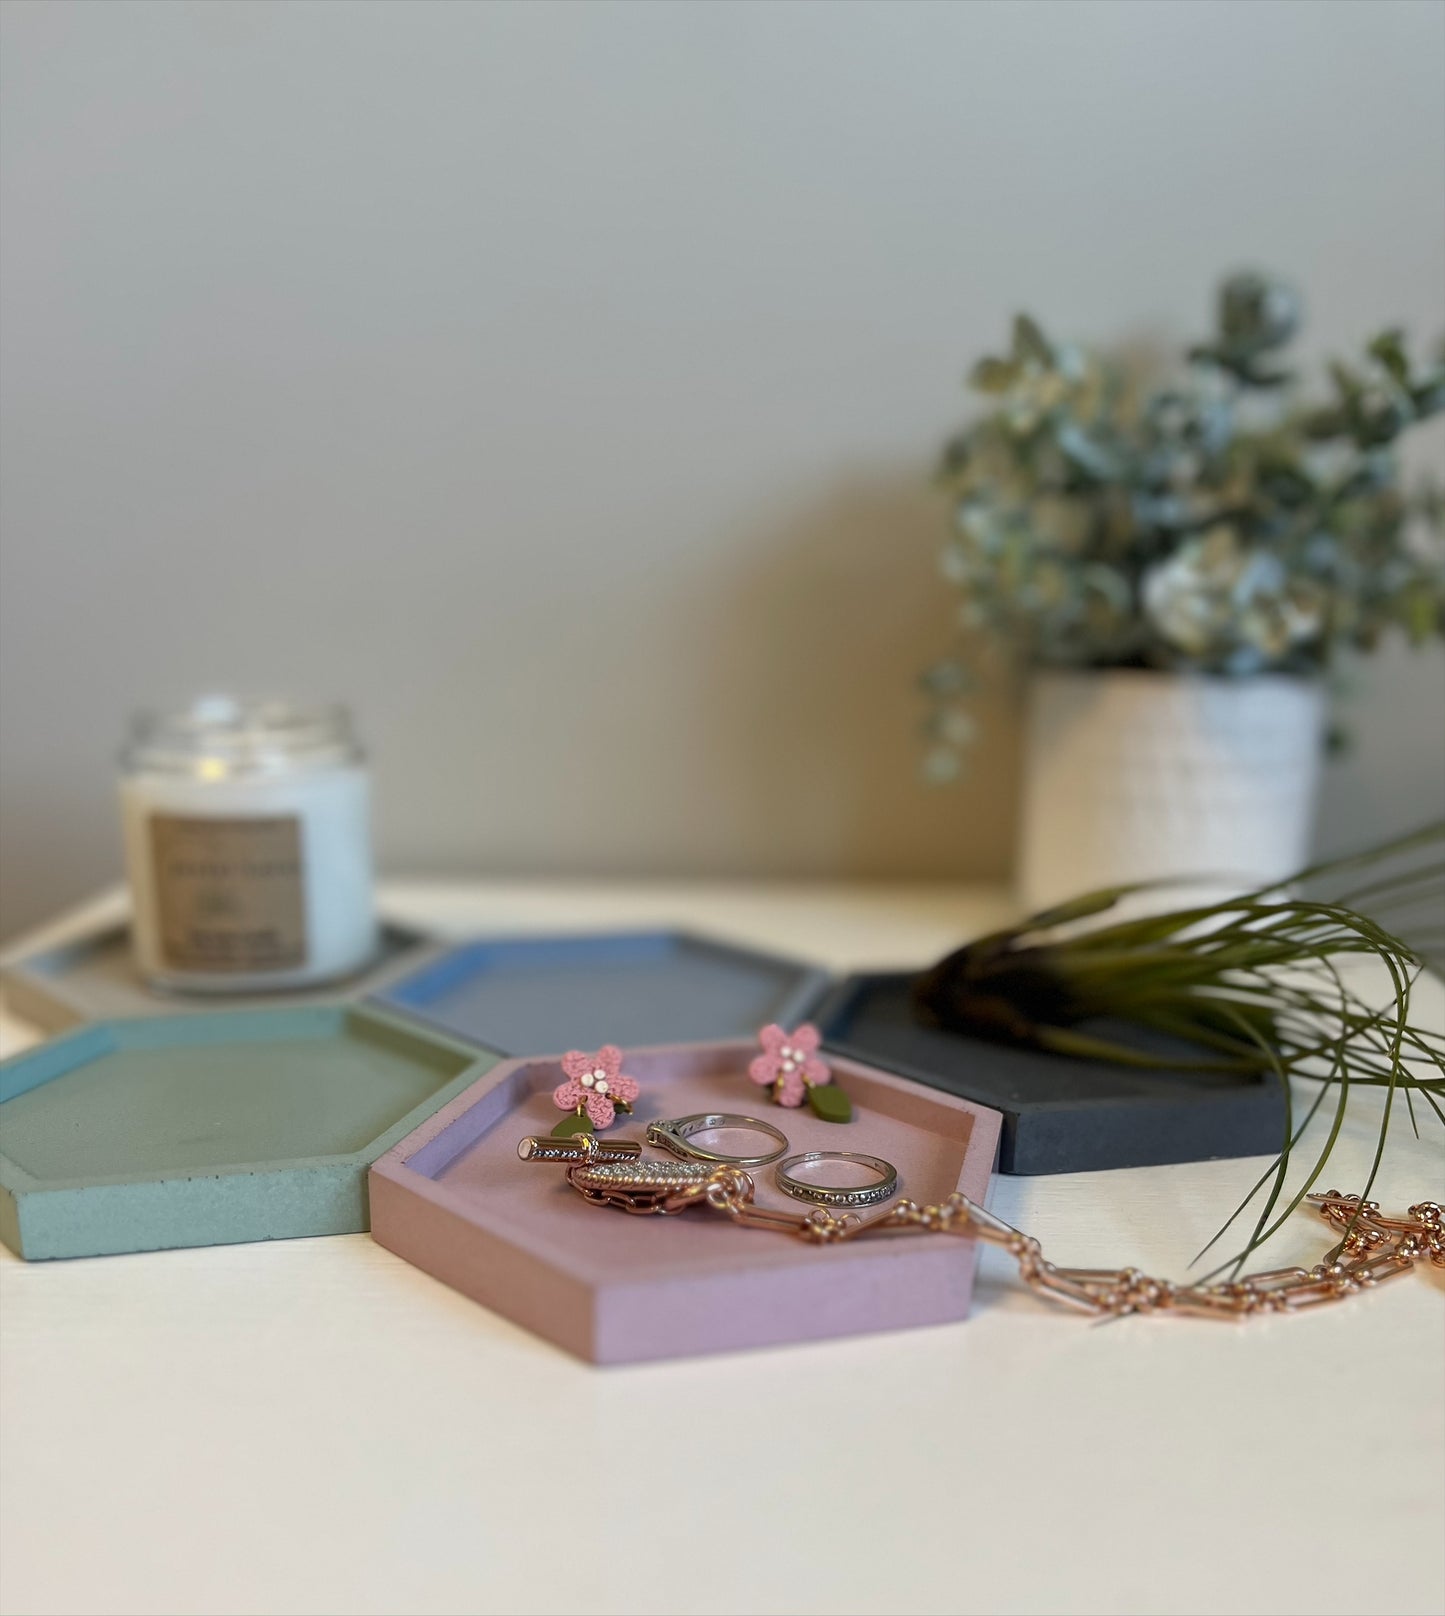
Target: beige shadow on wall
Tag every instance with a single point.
(755, 712)
(830, 620)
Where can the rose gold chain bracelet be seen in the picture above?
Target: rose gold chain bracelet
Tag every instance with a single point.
(1371, 1247)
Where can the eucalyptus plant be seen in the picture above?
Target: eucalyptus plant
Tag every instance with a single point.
(1221, 522)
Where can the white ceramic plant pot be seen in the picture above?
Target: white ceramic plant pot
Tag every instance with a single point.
(1134, 776)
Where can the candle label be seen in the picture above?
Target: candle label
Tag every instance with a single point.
(230, 893)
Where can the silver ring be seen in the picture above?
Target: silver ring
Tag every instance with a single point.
(676, 1135)
(838, 1194)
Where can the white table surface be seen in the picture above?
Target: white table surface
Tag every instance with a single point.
(314, 1426)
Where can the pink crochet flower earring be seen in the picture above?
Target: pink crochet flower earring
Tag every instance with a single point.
(792, 1068)
(595, 1091)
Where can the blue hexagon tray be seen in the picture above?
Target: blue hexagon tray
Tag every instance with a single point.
(147, 1134)
(541, 995)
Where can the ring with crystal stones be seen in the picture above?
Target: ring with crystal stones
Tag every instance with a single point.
(803, 1189)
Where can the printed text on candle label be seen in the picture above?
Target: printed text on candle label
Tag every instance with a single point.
(230, 893)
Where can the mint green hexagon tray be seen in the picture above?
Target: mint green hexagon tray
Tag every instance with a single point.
(160, 1132)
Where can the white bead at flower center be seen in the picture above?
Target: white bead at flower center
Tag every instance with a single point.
(602, 1085)
(587, 1080)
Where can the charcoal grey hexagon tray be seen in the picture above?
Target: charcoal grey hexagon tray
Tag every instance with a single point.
(1061, 1115)
(536, 995)
(96, 979)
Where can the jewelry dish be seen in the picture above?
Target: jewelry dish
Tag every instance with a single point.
(455, 1199)
(1060, 1115)
(153, 1133)
(96, 979)
(633, 989)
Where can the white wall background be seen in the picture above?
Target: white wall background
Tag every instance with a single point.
(559, 383)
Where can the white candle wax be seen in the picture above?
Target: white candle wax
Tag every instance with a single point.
(247, 838)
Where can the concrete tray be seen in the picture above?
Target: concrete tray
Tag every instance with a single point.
(95, 979)
(527, 994)
(147, 1134)
(1060, 1115)
(455, 1200)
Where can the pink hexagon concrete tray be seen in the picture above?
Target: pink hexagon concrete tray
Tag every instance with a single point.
(454, 1199)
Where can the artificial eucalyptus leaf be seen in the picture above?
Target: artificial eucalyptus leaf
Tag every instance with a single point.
(1030, 342)
(993, 376)
(946, 679)
(1429, 395)
(1085, 452)
(954, 459)
(941, 764)
(1347, 383)
(572, 1125)
(1389, 349)
(830, 1103)
(1419, 615)
(1256, 313)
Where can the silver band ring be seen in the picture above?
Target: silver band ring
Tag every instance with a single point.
(838, 1194)
(676, 1135)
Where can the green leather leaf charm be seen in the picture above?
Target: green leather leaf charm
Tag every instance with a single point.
(830, 1103)
(573, 1124)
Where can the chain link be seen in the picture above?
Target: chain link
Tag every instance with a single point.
(1372, 1248)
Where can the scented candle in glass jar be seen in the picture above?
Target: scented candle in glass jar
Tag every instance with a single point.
(248, 846)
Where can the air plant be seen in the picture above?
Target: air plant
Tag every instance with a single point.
(1261, 985)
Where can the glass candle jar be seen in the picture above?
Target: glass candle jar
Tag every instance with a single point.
(248, 846)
